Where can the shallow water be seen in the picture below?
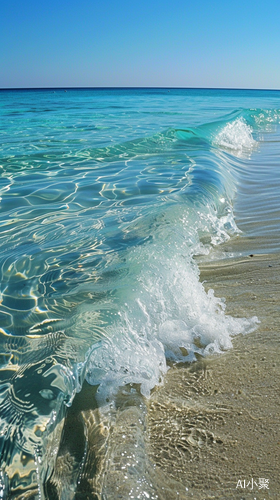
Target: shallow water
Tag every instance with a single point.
(106, 198)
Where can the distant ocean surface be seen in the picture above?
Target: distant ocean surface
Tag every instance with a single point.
(108, 196)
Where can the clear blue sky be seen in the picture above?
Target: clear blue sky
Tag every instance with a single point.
(179, 43)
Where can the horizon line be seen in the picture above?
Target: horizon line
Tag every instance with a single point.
(134, 87)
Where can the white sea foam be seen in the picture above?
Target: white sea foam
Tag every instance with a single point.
(166, 314)
(236, 136)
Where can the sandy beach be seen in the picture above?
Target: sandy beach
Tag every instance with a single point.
(215, 424)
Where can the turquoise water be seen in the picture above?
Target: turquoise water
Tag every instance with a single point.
(107, 195)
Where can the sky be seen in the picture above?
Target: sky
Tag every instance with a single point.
(147, 43)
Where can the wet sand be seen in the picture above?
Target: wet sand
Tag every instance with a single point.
(215, 424)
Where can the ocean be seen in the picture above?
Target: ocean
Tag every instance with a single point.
(110, 201)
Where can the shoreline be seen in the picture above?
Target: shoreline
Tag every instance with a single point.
(211, 426)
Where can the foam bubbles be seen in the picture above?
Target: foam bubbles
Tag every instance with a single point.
(166, 315)
(236, 136)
